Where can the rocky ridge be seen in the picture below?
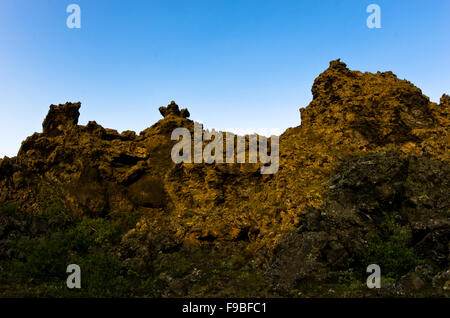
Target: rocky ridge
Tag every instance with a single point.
(371, 151)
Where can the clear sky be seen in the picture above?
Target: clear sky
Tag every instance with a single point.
(233, 63)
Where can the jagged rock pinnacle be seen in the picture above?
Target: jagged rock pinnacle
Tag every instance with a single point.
(337, 64)
(173, 110)
(60, 118)
(445, 100)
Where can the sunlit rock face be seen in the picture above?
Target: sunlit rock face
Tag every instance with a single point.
(371, 148)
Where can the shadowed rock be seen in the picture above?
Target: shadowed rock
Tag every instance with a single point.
(173, 110)
(60, 118)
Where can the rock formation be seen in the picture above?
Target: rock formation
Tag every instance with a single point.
(368, 164)
(172, 109)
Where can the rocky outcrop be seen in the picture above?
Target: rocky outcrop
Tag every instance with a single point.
(371, 152)
(173, 110)
(61, 118)
(373, 110)
(364, 194)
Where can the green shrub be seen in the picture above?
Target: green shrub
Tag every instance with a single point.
(46, 257)
(41, 258)
(100, 272)
(9, 209)
(388, 248)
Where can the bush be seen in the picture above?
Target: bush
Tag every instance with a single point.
(46, 257)
(388, 248)
(9, 209)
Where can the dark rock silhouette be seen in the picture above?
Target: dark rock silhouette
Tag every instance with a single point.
(172, 109)
(60, 118)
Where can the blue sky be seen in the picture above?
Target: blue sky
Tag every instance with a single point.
(234, 63)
